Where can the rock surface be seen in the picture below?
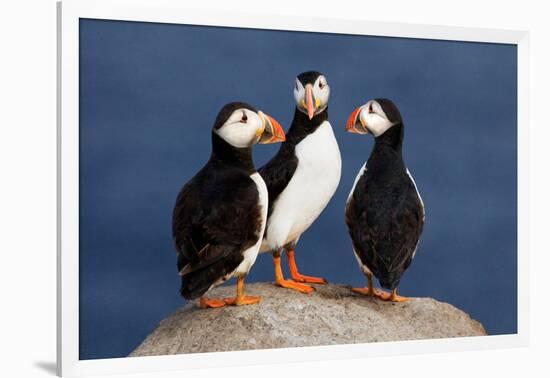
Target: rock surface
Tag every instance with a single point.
(333, 314)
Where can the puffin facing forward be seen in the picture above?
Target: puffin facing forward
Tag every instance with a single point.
(301, 178)
(220, 214)
(384, 211)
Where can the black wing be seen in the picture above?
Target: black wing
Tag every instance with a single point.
(385, 228)
(216, 217)
(277, 173)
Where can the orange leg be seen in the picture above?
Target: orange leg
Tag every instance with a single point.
(393, 297)
(370, 291)
(295, 275)
(241, 299)
(210, 303)
(280, 280)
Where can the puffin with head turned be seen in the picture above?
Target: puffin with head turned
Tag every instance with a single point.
(384, 210)
(301, 178)
(220, 214)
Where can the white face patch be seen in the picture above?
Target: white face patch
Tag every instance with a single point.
(374, 118)
(321, 94)
(321, 91)
(242, 129)
(299, 93)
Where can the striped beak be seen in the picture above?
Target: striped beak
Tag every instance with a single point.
(272, 130)
(310, 107)
(354, 124)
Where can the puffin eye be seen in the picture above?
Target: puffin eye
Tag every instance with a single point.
(296, 85)
(321, 85)
(244, 118)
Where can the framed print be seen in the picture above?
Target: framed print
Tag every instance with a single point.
(282, 189)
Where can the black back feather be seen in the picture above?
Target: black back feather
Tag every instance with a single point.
(384, 214)
(215, 219)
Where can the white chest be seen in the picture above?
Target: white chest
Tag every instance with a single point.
(319, 166)
(420, 199)
(318, 153)
(263, 196)
(357, 178)
(251, 253)
(312, 186)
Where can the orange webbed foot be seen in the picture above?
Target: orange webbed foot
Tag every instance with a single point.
(393, 297)
(370, 292)
(288, 284)
(211, 303)
(243, 300)
(298, 277)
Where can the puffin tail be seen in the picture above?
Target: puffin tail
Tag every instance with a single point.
(197, 282)
(193, 288)
(390, 280)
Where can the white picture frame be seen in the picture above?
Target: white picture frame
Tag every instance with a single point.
(171, 11)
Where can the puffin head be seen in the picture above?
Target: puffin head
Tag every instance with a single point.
(241, 125)
(375, 117)
(311, 92)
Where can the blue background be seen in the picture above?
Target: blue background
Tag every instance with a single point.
(149, 94)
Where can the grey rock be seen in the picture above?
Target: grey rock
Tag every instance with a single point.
(333, 314)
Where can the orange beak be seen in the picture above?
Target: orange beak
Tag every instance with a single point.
(354, 125)
(309, 101)
(273, 132)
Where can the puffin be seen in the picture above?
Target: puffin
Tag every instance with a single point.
(384, 210)
(219, 217)
(301, 178)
